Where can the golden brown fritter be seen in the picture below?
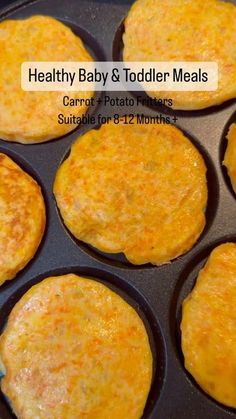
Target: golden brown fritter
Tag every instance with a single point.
(208, 326)
(73, 348)
(22, 218)
(32, 117)
(230, 155)
(177, 30)
(136, 189)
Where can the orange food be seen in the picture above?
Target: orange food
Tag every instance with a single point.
(73, 348)
(136, 189)
(189, 30)
(32, 117)
(208, 326)
(230, 155)
(22, 218)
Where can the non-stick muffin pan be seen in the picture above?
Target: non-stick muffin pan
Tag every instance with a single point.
(157, 293)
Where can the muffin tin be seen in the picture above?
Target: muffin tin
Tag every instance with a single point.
(156, 292)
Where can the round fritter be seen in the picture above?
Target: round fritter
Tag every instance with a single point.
(32, 117)
(208, 326)
(177, 30)
(230, 155)
(136, 189)
(22, 218)
(73, 348)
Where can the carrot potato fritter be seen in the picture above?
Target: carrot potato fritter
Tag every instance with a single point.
(190, 30)
(22, 218)
(32, 117)
(208, 326)
(230, 155)
(136, 189)
(73, 348)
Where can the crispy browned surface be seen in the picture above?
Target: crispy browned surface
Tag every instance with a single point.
(22, 218)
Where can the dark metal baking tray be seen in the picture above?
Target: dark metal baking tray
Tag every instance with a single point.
(156, 292)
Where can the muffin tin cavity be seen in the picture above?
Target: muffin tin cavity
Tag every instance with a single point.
(133, 297)
(186, 282)
(119, 259)
(117, 55)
